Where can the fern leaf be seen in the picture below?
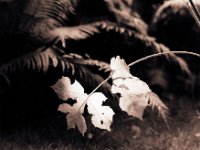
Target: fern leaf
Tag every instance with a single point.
(123, 15)
(40, 60)
(56, 9)
(175, 6)
(148, 41)
(75, 33)
(158, 47)
(89, 62)
(165, 6)
(43, 59)
(155, 103)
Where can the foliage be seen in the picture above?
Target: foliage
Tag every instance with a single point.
(135, 97)
(59, 36)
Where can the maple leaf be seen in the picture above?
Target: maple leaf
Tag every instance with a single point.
(135, 93)
(75, 91)
(74, 117)
(102, 116)
(74, 113)
(65, 90)
(134, 105)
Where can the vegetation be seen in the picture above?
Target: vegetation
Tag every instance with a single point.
(43, 40)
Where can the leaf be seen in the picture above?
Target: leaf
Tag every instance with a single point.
(74, 114)
(41, 59)
(135, 93)
(148, 41)
(134, 105)
(58, 10)
(156, 103)
(65, 90)
(78, 59)
(76, 33)
(102, 116)
(75, 91)
(123, 15)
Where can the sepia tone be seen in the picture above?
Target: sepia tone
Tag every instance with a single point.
(61, 55)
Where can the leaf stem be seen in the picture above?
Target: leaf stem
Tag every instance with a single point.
(193, 10)
(144, 59)
(95, 90)
(162, 53)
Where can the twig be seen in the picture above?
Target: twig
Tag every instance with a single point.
(193, 10)
(162, 53)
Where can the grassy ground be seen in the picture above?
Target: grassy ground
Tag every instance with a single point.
(151, 134)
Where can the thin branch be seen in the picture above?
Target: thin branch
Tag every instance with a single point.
(193, 10)
(162, 53)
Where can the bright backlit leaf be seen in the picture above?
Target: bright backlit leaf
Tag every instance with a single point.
(74, 117)
(102, 116)
(65, 90)
(135, 93)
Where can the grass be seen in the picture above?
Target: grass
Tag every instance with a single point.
(129, 134)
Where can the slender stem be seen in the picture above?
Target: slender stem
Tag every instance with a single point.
(144, 59)
(83, 104)
(104, 81)
(193, 10)
(162, 53)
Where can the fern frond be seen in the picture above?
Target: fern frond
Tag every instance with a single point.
(175, 6)
(165, 6)
(39, 60)
(123, 15)
(158, 48)
(155, 103)
(44, 59)
(56, 9)
(148, 41)
(101, 65)
(75, 33)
